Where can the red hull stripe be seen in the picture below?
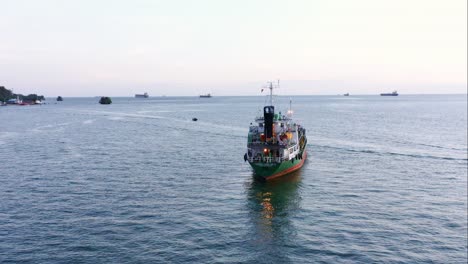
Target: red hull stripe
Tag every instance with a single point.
(295, 167)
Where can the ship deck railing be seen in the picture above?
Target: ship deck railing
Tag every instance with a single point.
(272, 145)
(267, 159)
(279, 118)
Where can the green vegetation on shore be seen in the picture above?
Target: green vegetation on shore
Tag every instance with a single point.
(6, 94)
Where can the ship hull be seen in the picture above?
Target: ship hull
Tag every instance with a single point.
(267, 171)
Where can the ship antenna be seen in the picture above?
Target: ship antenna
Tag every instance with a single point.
(290, 111)
(271, 93)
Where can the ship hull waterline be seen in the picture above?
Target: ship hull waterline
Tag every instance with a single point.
(272, 172)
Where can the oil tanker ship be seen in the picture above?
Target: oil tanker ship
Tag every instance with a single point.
(276, 145)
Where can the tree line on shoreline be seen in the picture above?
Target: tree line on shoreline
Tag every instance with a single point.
(6, 95)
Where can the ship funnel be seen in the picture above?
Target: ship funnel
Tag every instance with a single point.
(268, 114)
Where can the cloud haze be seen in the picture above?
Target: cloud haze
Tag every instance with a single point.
(87, 48)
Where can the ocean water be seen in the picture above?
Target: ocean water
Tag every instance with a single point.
(139, 182)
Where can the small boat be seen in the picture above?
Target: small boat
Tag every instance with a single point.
(346, 94)
(16, 101)
(276, 144)
(205, 95)
(59, 98)
(145, 95)
(105, 100)
(194, 119)
(394, 93)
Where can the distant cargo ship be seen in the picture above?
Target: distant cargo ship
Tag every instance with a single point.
(145, 95)
(394, 93)
(205, 95)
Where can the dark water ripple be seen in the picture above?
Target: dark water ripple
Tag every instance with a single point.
(392, 153)
(139, 182)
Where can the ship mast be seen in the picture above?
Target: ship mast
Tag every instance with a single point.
(290, 111)
(271, 92)
(270, 86)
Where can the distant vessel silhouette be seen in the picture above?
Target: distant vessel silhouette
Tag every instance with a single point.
(145, 95)
(205, 95)
(394, 93)
(346, 94)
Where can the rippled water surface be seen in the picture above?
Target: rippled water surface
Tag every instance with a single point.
(139, 182)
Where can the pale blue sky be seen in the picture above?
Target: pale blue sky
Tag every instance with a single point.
(118, 48)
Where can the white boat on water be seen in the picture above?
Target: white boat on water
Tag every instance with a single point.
(16, 100)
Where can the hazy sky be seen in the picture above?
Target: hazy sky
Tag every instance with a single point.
(183, 47)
